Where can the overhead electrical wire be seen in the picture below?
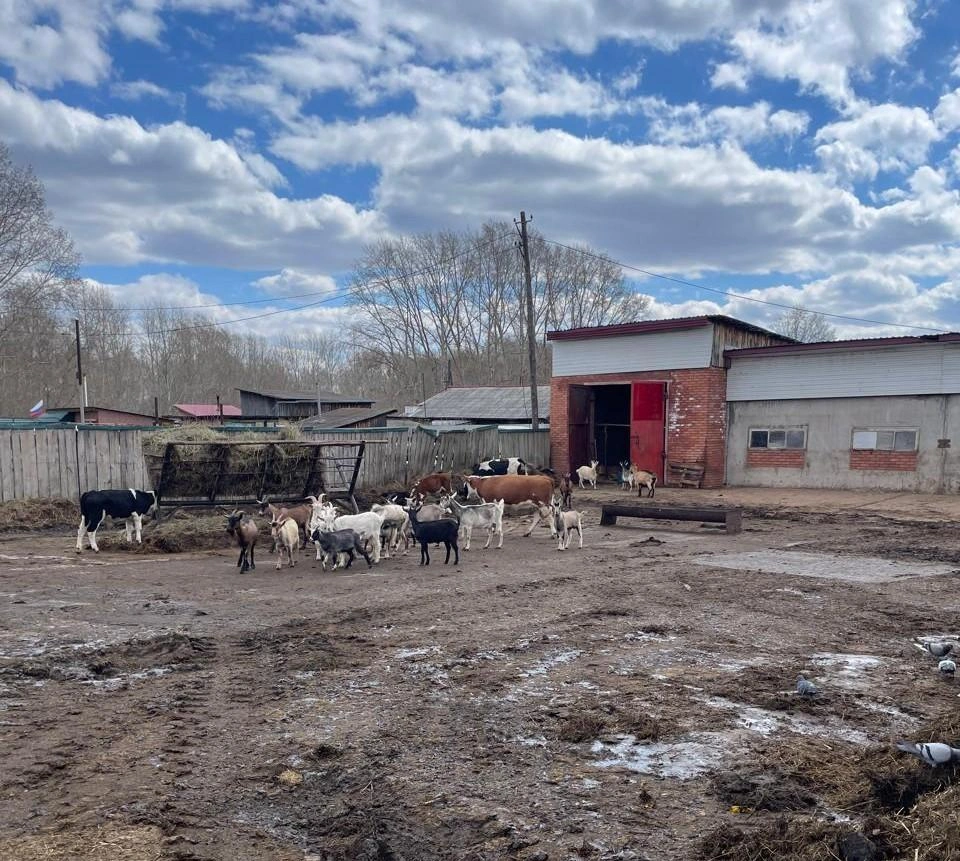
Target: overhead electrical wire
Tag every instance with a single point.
(732, 295)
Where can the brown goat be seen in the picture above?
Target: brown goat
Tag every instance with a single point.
(243, 528)
(566, 491)
(300, 513)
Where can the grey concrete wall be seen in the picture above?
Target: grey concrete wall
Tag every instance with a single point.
(829, 425)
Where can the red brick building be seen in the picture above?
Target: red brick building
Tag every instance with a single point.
(651, 392)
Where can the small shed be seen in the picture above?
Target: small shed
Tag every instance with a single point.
(294, 406)
(350, 417)
(206, 413)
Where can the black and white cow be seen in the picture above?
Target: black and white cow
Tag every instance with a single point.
(125, 505)
(504, 466)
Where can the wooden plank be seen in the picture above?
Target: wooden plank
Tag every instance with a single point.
(730, 517)
(17, 465)
(6, 466)
(41, 444)
(67, 445)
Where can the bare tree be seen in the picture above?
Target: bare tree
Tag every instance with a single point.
(805, 326)
(37, 260)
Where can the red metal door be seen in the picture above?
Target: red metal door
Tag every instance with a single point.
(647, 409)
(578, 426)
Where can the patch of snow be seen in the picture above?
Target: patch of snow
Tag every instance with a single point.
(550, 662)
(846, 664)
(536, 741)
(406, 654)
(683, 760)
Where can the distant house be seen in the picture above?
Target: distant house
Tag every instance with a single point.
(483, 405)
(350, 417)
(97, 416)
(294, 406)
(206, 413)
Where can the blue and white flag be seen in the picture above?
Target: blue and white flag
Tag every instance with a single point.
(37, 410)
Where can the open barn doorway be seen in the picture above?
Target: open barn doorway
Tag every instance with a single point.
(611, 427)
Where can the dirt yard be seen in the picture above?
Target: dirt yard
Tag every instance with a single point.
(631, 700)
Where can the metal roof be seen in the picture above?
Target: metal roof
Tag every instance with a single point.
(346, 416)
(208, 411)
(484, 403)
(325, 397)
(850, 344)
(645, 327)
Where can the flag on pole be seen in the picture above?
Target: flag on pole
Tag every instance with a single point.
(37, 410)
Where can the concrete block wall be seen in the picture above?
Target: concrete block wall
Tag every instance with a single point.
(695, 420)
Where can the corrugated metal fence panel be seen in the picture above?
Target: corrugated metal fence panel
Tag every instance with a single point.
(915, 370)
(49, 462)
(622, 353)
(400, 456)
(531, 446)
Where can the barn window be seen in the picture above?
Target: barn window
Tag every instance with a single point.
(884, 439)
(779, 438)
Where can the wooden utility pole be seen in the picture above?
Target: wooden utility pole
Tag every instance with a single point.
(531, 328)
(83, 392)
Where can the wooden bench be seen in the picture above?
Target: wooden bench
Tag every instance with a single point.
(685, 474)
(731, 518)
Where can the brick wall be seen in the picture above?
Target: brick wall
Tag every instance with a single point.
(902, 461)
(696, 416)
(777, 458)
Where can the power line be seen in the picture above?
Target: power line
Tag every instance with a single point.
(331, 298)
(732, 295)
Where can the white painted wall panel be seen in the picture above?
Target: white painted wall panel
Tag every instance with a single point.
(913, 370)
(660, 351)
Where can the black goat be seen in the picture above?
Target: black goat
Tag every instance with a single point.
(434, 532)
(340, 541)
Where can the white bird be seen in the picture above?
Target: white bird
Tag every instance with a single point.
(806, 688)
(937, 649)
(948, 668)
(933, 753)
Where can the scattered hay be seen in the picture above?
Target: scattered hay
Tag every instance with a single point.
(761, 790)
(581, 727)
(118, 843)
(931, 831)
(641, 726)
(182, 533)
(791, 840)
(29, 515)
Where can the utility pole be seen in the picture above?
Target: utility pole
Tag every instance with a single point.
(83, 415)
(531, 333)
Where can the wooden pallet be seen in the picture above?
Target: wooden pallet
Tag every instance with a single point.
(685, 474)
(731, 518)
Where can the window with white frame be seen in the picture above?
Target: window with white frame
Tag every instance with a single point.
(884, 439)
(793, 438)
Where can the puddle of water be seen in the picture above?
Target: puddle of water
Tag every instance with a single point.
(683, 760)
(825, 566)
(550, 662)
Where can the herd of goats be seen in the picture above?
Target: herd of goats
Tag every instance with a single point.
(463, 503)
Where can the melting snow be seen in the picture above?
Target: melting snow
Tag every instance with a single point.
(681, 760)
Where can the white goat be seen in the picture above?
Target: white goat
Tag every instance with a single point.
(286, 535)
(488, 515)
(564, 522)
(368, 525)
(588, 474)
(396, 524)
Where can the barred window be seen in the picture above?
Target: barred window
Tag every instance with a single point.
(779, 437)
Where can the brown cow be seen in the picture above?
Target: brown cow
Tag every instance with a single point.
(512, 489)
(434, 483)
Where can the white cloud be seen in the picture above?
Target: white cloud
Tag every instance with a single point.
(821, 44)
(693, 123)
(173, 193)
(879, 137)
(947, 111)
(288, 282)
(134, 91)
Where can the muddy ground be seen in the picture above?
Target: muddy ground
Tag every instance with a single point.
(632, 700)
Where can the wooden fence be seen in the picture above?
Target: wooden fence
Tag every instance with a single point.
(409, 453)
(66, 462)
(45, 462)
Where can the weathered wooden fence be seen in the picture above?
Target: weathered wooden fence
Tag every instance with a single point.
(66, 462)
(45, 462)
(412, 452)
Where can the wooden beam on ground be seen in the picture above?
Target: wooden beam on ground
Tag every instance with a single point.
(731, 518)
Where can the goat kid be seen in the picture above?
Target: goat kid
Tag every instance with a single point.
(300, 513)
(566, 490)
(588, 474)
(488, 515)
(369, 525)
(244, 530)
(286, 538)
(643, 479)
(565, 522)
(338, 544)
(395, 521)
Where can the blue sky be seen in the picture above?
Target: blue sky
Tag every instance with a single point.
(213, 151)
